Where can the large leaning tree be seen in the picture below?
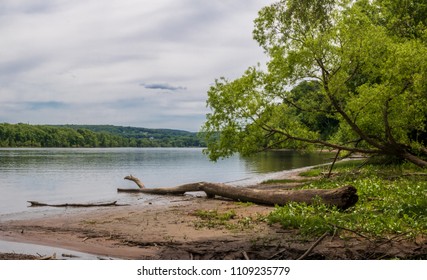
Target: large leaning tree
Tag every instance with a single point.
(346, 75)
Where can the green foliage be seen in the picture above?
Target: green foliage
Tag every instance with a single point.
(348, 75)
(405, 18)
(214, 219)
(245, 204)
(24, 135)
(310, 220)
(213, 214)
(286, 181)
(228, 219)
(311, 173)
(389, 203)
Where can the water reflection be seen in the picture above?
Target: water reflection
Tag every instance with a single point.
(272, 161)
(92, 175)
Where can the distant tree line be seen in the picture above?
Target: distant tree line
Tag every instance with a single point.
(74, 136)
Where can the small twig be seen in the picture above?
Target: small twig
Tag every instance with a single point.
(394, 238)
(313, 246)
(385, 242)
(353, 231)
(180, 200)
(277, 254)
(333, 235)
(245, 255)
(333, 163)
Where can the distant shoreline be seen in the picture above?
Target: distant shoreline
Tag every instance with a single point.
(93, 136)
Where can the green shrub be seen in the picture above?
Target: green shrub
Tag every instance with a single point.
(389, 203)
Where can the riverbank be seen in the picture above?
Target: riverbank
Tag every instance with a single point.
(194, 227)
(159, 222)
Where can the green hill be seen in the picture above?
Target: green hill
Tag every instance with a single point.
(25, 135)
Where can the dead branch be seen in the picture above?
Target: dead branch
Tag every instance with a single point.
(53, 257)
(313, 246)
(36, 203)
(343, 197)
(245, 255)
(136, 180)
(333, 163)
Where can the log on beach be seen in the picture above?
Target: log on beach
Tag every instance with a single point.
(36, 204)
(343, 197)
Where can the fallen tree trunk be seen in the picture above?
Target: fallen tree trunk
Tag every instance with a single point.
(36, 203)
(343, 197)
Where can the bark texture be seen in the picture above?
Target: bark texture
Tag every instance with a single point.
(343, 197)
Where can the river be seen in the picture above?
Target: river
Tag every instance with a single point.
(64, 175)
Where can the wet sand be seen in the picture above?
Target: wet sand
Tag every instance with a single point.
(132, 232)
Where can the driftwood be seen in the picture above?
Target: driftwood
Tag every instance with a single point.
(35, 203)
(45, 258)
(343, 197)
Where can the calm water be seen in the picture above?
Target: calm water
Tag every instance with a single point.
(93, 175)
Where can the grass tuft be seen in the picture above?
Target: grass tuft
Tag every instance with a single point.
(213, 218)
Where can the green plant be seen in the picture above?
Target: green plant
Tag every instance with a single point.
(215, 215)
(311, 173)
(213, 219)
(286, 181)
(245, 204)
(388, 204)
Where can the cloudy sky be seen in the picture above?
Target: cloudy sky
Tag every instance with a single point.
(122, 62)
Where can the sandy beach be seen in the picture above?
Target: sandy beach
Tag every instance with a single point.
(174, 227)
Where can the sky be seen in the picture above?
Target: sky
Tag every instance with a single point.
(121, 62)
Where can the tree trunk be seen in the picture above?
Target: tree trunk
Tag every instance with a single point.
(415, 160)
(343, 197)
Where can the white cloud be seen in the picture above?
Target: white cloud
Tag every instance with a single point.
(84, 61)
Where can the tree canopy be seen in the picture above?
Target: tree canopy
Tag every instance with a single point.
(25, 135)
(347, 75)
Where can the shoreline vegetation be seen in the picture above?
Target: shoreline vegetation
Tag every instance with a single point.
(93, 136)
(388, 222)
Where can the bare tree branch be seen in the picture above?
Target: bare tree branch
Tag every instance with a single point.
(325, 143)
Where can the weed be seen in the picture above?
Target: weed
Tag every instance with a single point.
(228, 220)
(311, 173)
(213, 219)
(245, 204)
(214, 215)
(245, 222)
(169, 238)
(286, 181)
(385, 206)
